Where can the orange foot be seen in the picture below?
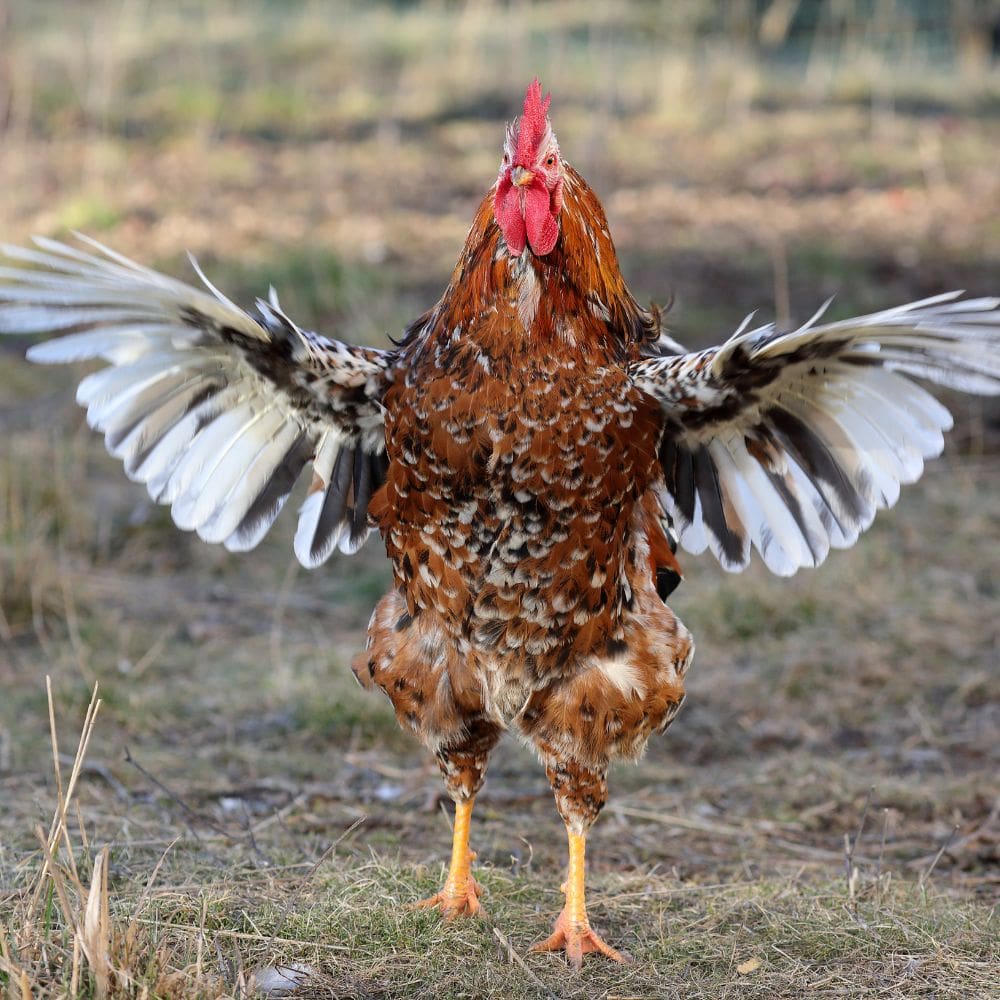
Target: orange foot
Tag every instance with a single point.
(458, 898)
(577, 938)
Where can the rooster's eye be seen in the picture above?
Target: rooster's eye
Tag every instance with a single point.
(550, 161)
(506, 158)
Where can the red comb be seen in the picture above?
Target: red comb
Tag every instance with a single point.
(532, 122)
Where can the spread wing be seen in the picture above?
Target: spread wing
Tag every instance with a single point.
(792, 441)
(216, 410)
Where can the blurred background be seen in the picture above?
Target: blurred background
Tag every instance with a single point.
(750, 154)
(773, 151)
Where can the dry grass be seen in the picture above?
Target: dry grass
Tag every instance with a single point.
(822, 820)
(196, 924)
(66, 935)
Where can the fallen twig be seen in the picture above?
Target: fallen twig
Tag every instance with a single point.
(518, 961)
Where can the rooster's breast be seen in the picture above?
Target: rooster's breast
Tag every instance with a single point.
(509, 501)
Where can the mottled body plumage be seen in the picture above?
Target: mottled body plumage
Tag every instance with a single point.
(519, 513)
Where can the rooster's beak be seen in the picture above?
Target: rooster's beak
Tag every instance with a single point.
(521, 177)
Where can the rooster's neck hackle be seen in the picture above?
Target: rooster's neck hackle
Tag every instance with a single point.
(572, 299)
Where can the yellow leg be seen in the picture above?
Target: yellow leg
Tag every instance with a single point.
(460, 895)
(573, 931)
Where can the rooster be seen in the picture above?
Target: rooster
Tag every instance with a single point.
(532, 451)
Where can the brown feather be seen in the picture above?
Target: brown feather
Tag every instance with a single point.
(520, 514)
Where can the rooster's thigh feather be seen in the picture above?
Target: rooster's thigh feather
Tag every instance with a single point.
(436, 692)
(608, 708)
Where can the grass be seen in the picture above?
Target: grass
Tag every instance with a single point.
(228, 907)
(242, 804)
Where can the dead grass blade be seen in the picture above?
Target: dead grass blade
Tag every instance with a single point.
(68, 933)
(58, 829)
(95, 931)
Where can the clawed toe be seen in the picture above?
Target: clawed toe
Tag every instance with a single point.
(578, 940)
(454, 901)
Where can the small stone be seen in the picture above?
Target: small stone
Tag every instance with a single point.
(281, 980)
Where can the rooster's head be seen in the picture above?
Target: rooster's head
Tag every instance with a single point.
(528, 195)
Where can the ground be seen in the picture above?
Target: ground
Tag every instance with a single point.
(822, 819)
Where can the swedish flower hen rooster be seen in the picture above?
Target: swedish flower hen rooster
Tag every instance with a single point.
(531, 451)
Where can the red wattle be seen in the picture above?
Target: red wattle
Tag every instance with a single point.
(507, 209)
(540, 222)
(537, 224)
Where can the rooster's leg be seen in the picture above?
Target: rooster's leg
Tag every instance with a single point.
(580, 794)
(463, 767)
(460, 895)
(573, 932)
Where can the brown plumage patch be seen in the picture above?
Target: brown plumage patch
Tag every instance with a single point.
(520, 514)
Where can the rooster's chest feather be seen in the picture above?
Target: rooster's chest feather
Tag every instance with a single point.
(510, 494)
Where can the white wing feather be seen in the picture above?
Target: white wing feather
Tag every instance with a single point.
(217, 411)
(790, 442)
